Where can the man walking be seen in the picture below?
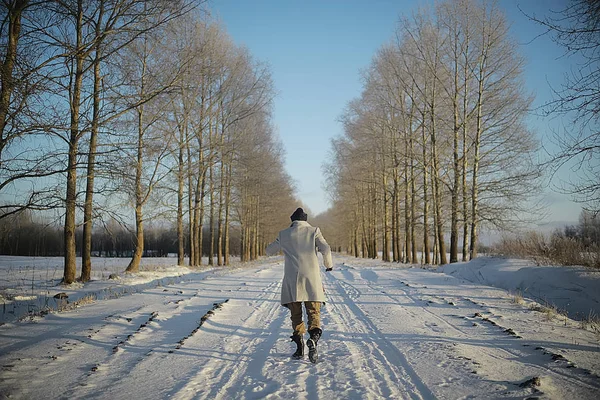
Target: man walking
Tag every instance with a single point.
(302, 279)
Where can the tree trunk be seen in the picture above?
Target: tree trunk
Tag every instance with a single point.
(412, 202)
(456, 171)
(196, 243)
(474, 189)
(180, 194)
(86, 251)
(476, 145)
(242, 238)
(356, 250)
(196, 221)
(437, 200)
(134, 264)
(192, 195)
(395, 239)
(436, 256)
(243, 222)
(373, 223)
(211, 216)
(385, 222)
(365, 252)
(70, 269)
(407, 222)
(426, 248)
(465, 211)
(211, 207)
(255, 246)
(200, 218)
(7, 68)
(220, 219)
(221, 195)
(398, 243)
(227, 211)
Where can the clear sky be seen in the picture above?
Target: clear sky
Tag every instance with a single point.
(316, 51)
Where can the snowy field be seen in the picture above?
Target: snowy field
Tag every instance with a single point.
(28, 284)
(573, 290)
(389, 332)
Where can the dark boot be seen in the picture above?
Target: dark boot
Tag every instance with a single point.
(315, 335)
(299, 340)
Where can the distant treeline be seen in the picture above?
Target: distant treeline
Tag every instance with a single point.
(22, 235)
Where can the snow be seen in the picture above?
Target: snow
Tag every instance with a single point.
(575, 290)
(28, 284)
(390, 331)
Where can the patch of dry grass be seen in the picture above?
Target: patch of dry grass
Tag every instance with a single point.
(550, 311)
(518, 298)
(89, 299)
(591, 322)
(551, 249)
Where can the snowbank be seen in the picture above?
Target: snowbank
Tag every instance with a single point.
(32, 285)
(28, 285)
(575, 290)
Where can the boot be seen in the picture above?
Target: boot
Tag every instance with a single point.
(299, 340)
(315, 335)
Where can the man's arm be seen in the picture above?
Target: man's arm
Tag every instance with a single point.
(324, 249)
(273, 248)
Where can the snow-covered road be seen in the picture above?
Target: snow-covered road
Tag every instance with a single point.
(389, 332)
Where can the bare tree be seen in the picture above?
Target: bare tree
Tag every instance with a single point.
(150, 75)
(23, 163)
(576, 28)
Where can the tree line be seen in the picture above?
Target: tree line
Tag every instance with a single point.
(136, 111)
(437, 143)
(25, 234)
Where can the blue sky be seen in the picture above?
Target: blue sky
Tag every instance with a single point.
(316, 50)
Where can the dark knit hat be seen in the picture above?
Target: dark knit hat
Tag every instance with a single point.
(299, 215)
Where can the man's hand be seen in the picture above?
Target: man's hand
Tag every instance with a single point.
(328, 269)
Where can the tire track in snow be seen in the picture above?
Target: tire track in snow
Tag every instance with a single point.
(154, 331)
(504, 348)
(134, 368)
(416, 301)
(384, 361)
(259, 350)
(80, 341)
(496, 349)
(431, 349)
(224, 374)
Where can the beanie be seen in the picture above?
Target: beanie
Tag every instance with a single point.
(299, 215)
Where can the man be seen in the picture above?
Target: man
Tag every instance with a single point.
(302, 279)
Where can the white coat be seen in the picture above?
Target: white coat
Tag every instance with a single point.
(302, 277)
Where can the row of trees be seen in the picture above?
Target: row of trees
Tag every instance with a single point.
(25, 234)
(587, 231)
(22, 235)
(436, 144)
(158, 112)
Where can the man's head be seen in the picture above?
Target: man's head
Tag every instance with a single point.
(299, 215)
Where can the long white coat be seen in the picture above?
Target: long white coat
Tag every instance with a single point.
(302, 277)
